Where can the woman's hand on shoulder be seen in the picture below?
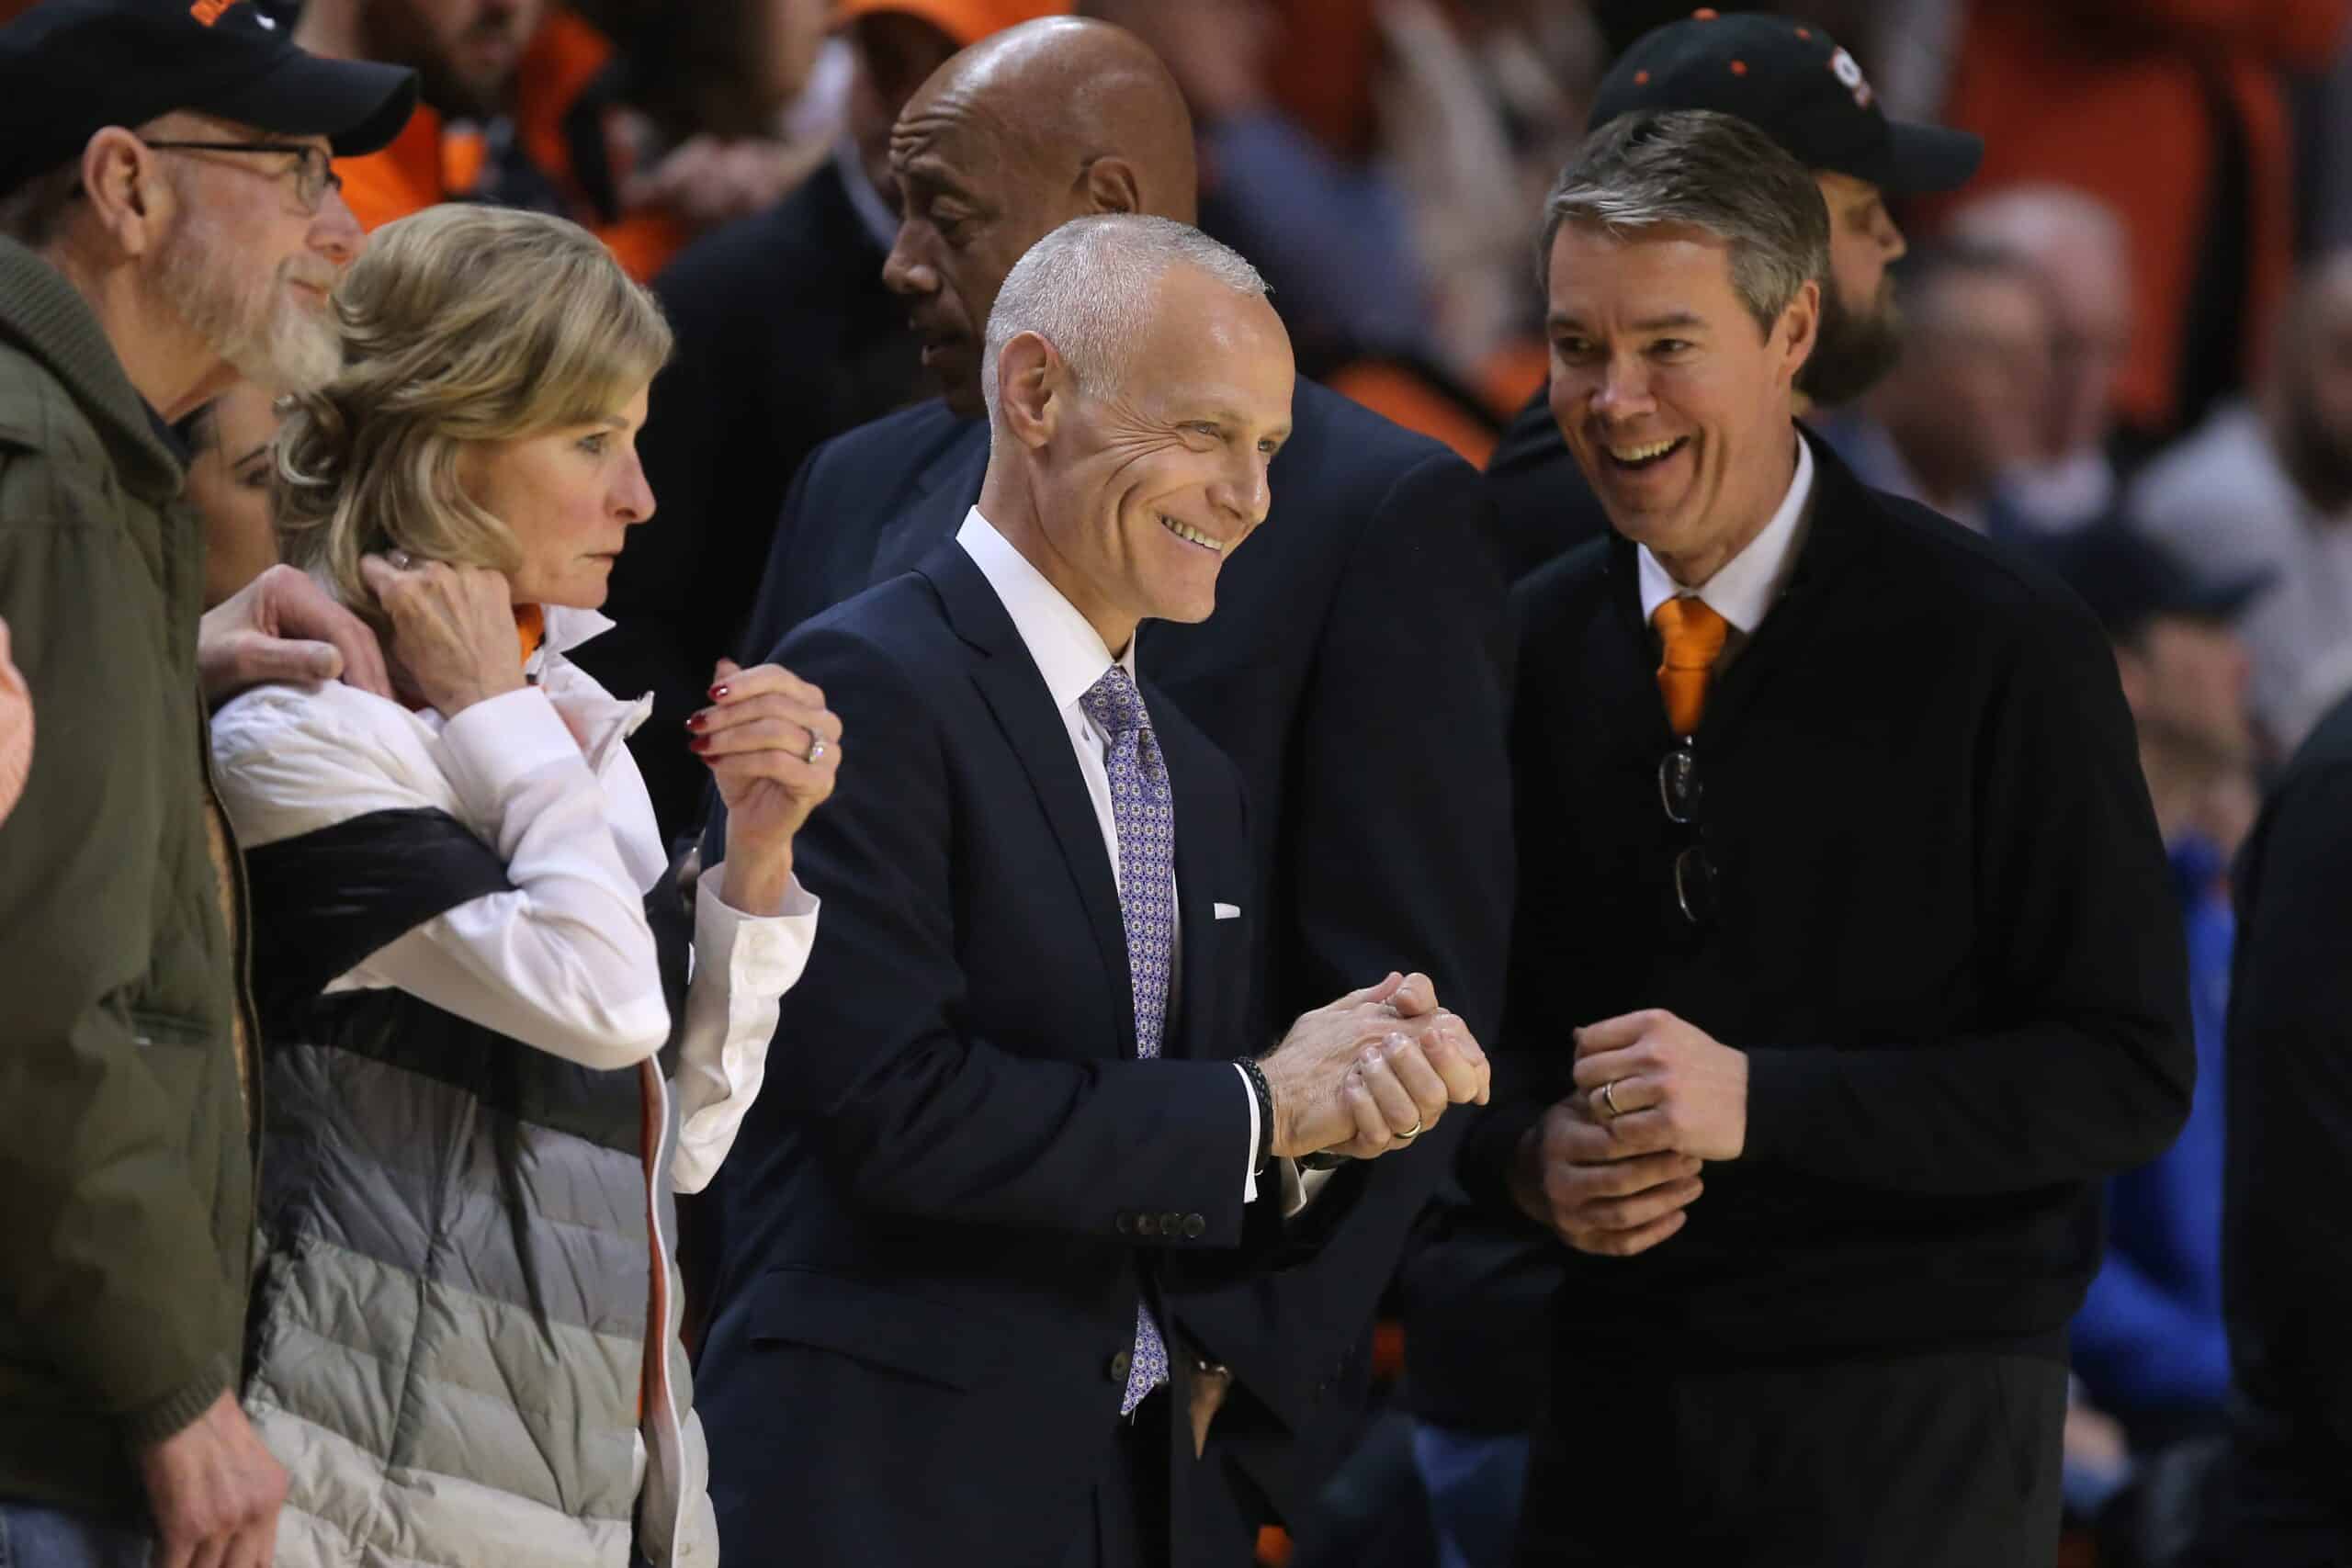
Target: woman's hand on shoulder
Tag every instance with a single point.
(453, 641)
(774, 747)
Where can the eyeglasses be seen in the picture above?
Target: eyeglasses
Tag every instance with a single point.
(1679, 791)
(314, 173)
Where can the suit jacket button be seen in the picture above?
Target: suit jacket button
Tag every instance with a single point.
(1195, 1226)
(1119, 1365)
(1145, 1224)
(1172, 1224)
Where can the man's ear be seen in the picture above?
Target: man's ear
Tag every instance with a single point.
(1800, 327)
(124, 186)
(1108, 186)
(1030, 378)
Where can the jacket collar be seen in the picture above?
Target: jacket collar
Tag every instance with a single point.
(47, 315)
(1842, 518)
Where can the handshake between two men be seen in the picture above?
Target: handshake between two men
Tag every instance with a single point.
(1371, 1072)
(1613, 1168)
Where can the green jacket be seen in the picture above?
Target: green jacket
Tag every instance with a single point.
(126, 1154)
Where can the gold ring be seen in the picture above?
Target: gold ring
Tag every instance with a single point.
(1414, 1131)
(1609, 1097)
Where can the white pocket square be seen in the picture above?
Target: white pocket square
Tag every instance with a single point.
(1228, 911)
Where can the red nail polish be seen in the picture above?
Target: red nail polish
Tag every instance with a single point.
(695, 721)
(719, 693)
(700, 743)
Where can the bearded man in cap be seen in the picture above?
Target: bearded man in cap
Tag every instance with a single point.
(1791, 81)
(169, 222)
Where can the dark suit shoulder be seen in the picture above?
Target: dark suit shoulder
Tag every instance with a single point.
(1352, 489)
(1924, 558)
(1374, 445)
(1532, 441)
(899, 621)
(1543, 503)
(898, 444)
(735, 267)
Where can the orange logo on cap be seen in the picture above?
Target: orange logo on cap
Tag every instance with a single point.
(209, 11)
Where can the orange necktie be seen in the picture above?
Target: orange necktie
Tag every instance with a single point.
(1693, 635)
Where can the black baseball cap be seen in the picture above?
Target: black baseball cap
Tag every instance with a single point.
(71, 68)
(2127, 579)
(1791, 81)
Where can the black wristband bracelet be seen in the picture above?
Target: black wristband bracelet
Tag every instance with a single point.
(1265, 1093)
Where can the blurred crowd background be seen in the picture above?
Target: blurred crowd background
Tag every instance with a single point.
(2129, 346)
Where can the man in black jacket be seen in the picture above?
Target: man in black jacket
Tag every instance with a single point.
(1467, 1283)
(1353, 668)
(1833, 829)
(1791, 81)
(2287, 1258)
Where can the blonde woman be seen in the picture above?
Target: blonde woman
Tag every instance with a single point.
(487, 1066)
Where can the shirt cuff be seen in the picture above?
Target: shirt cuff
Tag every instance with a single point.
(1249, 1155)
(716, 921)
(742, 965)
(1301, 1186)
(499, 741)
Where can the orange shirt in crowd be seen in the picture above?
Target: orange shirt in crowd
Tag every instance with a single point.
(430, 162)
(2118, 97)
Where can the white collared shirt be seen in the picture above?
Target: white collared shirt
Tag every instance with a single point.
(1743, 588)
(565, 962)
(1071, 654)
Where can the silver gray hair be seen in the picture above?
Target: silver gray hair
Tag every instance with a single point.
(1699, 169)
(1088, 288)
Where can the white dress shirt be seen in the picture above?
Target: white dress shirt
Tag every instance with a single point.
(1743, 588)
(1071, 654)
(564, 962)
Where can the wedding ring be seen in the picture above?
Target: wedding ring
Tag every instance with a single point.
(400, 559)
(1411, 1133)
(816, 746)
(1608, 1099)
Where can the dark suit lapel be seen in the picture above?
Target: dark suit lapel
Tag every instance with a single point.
(947, 487)
(1196, 887)
(1611, 654)
(1015, 692)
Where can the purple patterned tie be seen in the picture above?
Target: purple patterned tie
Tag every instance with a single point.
(1145, 820)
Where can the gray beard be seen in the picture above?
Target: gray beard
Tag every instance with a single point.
(248, 322)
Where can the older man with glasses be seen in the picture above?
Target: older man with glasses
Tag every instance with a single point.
(168, 225)
(1833, 834)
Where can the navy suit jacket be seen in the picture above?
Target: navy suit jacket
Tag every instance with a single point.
(958, 1179)
(1354, 672)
